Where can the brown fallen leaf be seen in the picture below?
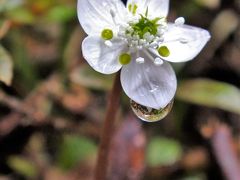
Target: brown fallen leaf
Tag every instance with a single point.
(76, 99)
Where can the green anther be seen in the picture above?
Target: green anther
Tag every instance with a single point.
(164, 51)
(107, 34)
(130, 7)
(124, 59)
(146, 13)
(134, 9)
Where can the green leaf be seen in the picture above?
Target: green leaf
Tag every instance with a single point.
(22, 166)
(210, 93)
(73, 150)
(61, 13)
(163, 151)
(6, 67)
(21, 15)
(6, 5)
(195, 176)
(88, 77)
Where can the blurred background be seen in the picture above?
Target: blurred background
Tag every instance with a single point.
(52, 103)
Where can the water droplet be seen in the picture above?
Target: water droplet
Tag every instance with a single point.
(183, 40)
(158, 61)
(179, 21)
(149, 114)
(140, 60)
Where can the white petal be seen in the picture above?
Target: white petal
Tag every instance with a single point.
(94, 15)
(156, 8)
(184, 42)
(101, 57)
(149, 85)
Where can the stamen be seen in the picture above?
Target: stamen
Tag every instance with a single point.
(130, 7)
(163, 51)
(158, 61)
(148, 37)
(149, 55)
(159, 39)
(134, 43)
(146, 13)
(130, 29)
(112, 13)
(154, 45)
(108, 43)
(124, 58)
(179, 21)
(142, 41)
(160, 31)
(141, 32)
(140, 60)
(134, 9)
(107, 34)
(113, 16)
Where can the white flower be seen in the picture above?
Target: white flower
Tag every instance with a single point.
(138, 39)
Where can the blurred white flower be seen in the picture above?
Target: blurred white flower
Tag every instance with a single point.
(138, 39)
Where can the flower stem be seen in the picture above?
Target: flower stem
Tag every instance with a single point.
(107, 130)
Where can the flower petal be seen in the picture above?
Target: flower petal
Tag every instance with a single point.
(149, 85)
(156, 8)
(184, 42)
(94, 15)
(101, 57)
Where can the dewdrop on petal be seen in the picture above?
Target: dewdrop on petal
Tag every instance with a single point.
(149, 114)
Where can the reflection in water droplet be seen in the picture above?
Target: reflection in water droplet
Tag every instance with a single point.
(148, 114)
(154, 88)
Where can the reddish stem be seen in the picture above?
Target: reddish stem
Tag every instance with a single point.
(107, 130)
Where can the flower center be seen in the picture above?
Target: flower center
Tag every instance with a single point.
(143, 32)
(143, 26)
(140, 32)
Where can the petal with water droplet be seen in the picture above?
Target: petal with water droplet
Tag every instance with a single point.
(100, 56)
(149, 85)
(184, 42)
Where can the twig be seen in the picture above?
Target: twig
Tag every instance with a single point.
(15, 104)
(107, 131)
(4, 28)
(9, 123)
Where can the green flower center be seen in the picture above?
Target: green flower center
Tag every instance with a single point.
(143, 26)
